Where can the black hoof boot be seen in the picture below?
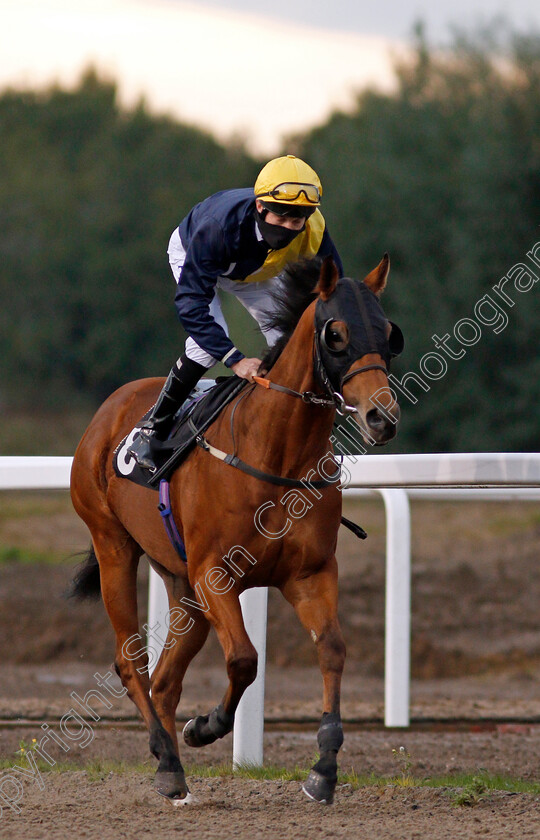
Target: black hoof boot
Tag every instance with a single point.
(205, 729)
(318, 788)
(193, 732)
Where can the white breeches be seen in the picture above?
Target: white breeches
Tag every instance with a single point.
(255, 297)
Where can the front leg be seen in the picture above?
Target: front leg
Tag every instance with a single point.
(225, 613)
(315, 602)
(322, 779)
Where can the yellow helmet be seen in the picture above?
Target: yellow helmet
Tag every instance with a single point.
(289, 181)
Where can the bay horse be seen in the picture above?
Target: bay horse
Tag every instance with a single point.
(241, 530)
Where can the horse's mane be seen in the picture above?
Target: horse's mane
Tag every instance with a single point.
(291, 298)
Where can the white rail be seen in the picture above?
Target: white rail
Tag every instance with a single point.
(34, 473)
(483, 476)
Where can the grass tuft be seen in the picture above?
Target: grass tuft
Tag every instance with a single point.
(472, 794)
(29, 556)
(464, 789)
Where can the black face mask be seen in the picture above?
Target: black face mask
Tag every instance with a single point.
(276, 236)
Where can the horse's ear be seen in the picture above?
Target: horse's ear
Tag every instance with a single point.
(376, 279)
(328, 278)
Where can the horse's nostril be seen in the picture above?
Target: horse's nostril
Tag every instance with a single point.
(375, 419)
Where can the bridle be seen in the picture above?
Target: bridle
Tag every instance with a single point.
(336, 398)
(331, 398)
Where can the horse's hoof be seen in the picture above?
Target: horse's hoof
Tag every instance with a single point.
(318, 788)
(189, 733)
(192, 733)
(171, 785)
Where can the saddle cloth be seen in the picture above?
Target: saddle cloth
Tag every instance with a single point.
(201, 408)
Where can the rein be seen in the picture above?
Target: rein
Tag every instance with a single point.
(334, 400)
(305, 396)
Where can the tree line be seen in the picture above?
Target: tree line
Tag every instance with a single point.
(443, 173)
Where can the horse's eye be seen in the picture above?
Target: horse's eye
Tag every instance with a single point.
(335, 336)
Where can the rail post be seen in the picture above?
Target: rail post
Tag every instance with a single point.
(398, 607)
(249, 719)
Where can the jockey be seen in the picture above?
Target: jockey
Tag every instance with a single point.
(238, 241)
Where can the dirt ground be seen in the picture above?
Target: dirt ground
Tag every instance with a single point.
(123, 807)
(476, 660)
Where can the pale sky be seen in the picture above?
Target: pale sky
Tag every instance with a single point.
(223, 70)
(392, 18)
(217, 63)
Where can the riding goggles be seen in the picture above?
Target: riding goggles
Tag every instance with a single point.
(292, 191)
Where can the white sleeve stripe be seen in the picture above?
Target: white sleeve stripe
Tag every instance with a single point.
(227, 355)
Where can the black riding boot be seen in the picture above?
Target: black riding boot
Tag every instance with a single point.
(180, 382)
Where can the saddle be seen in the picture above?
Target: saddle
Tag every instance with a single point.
(194, 416)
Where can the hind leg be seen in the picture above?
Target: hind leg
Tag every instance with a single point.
(315, 602)
(187, 632)
(118, 557)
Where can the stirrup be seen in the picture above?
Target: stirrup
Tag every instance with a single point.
(141, 450)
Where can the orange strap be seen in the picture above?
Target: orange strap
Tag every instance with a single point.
(305, 396)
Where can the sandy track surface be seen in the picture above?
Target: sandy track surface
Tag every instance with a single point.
(476, 659)
(123, 807)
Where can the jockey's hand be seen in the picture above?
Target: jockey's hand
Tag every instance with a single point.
(246, 368)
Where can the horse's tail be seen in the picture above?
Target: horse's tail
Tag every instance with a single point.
(86, 582)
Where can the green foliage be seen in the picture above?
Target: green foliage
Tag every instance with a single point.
(472, 794)
(404, 761)
(89, 196)
(15, 554)
(463, 789)
(444, 174)
(24, 747)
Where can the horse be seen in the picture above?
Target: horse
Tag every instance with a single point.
(274, 524)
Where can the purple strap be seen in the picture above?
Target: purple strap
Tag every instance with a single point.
(164, 508)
